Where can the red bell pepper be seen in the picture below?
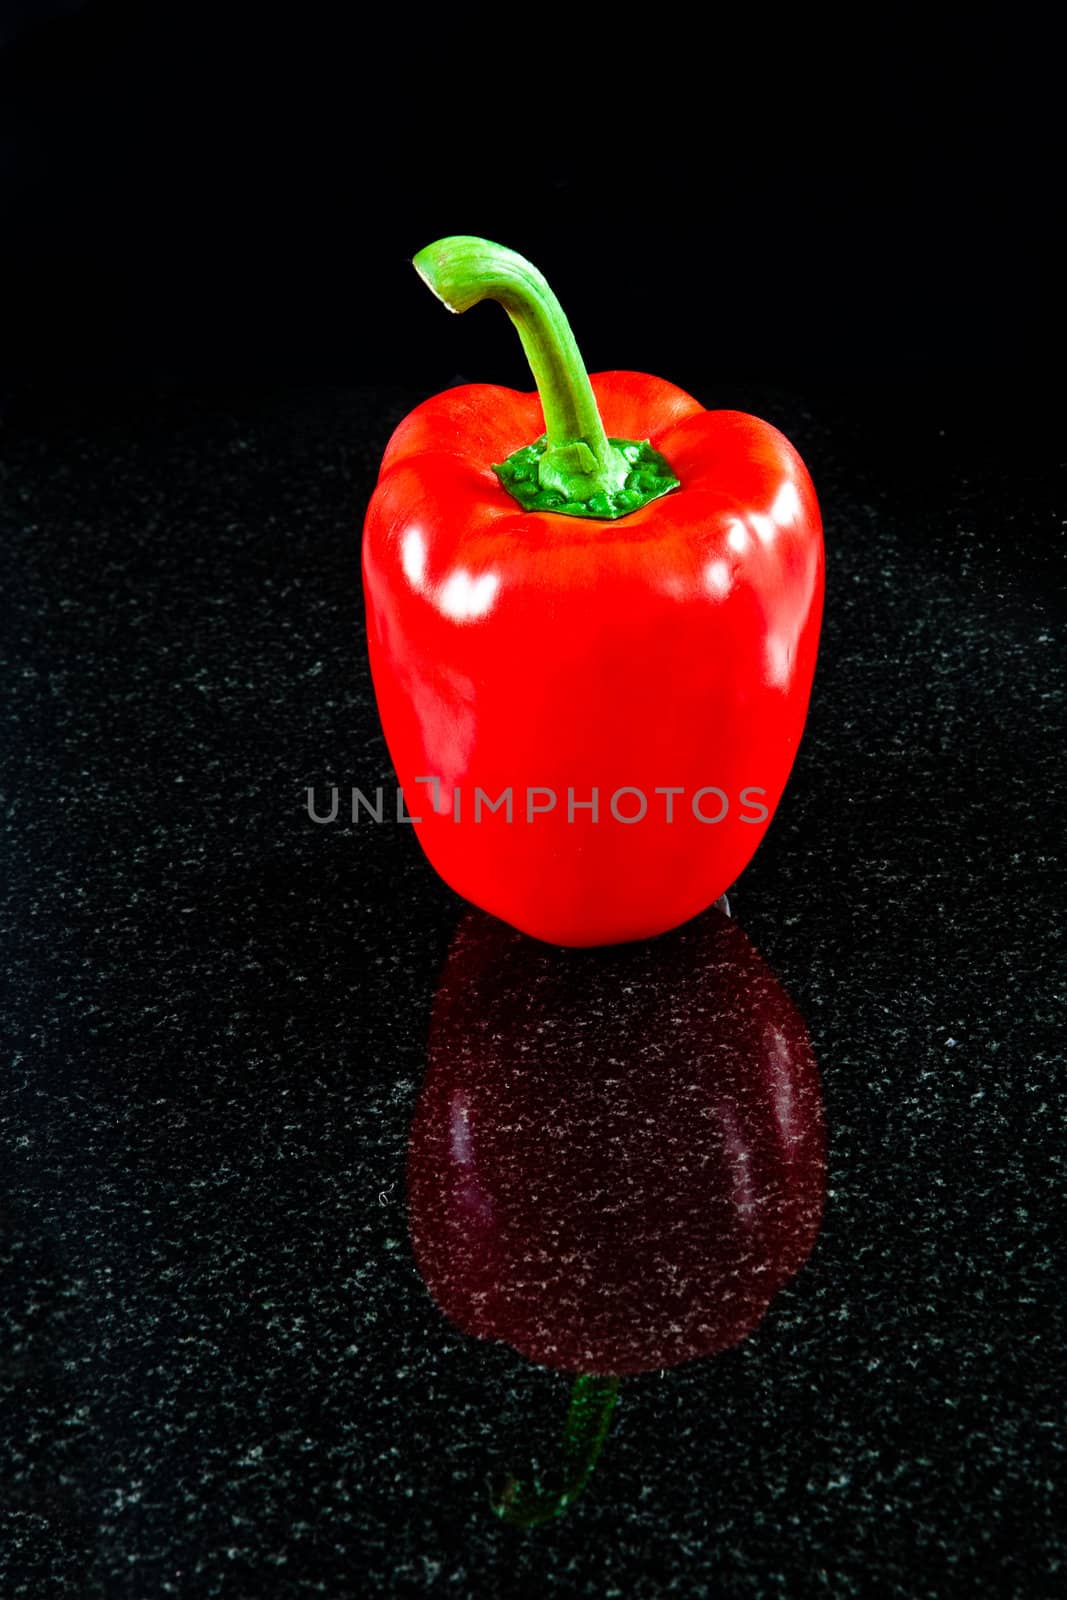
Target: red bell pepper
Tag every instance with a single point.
(596, 608)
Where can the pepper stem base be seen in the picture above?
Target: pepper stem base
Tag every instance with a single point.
(562, 479)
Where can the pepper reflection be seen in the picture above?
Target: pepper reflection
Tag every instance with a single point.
(616, 1160)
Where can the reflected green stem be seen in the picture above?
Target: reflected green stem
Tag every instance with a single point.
(526, 1505)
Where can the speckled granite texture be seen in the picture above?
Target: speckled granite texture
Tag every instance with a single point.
(222, 1372)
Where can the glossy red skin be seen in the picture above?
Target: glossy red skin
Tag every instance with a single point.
(675, 646)
(618, 1157)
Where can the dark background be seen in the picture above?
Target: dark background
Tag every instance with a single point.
(198, 192)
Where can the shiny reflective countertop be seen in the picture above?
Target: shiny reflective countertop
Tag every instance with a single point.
(324, 1198)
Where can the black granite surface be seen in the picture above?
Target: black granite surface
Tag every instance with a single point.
(222, 1372)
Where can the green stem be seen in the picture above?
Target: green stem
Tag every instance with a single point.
(462, 271)
(577, 468)
(528, 1504)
